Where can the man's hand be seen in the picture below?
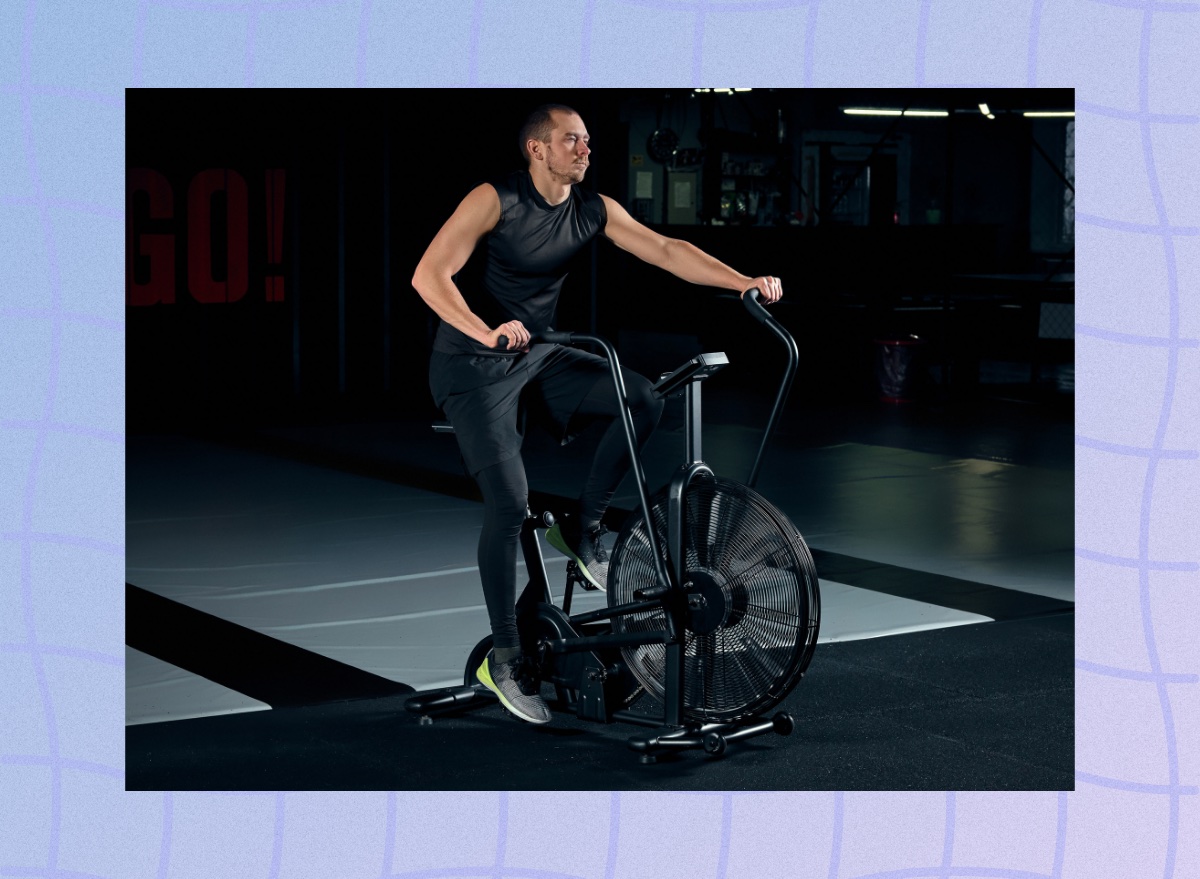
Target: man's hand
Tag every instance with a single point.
(770, 289)
(518, 336)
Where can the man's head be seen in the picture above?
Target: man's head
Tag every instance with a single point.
(555, 139)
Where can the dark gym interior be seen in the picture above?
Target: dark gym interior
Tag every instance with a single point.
(301, 543)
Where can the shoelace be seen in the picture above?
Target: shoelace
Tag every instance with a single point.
(526, 682)
(601, 552)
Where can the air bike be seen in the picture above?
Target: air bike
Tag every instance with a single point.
(713, 601)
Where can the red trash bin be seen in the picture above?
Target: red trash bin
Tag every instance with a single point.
(896, 367)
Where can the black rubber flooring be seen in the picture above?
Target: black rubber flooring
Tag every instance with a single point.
(980, 707)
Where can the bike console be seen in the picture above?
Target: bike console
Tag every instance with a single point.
(697, 369)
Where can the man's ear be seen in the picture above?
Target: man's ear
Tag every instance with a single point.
(534, 147)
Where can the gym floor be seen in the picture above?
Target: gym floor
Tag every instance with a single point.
(287, 588)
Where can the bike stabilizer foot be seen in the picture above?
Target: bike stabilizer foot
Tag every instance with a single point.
(444, 701)
(713, 738)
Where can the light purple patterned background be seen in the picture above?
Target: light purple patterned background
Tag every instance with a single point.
(63, 66)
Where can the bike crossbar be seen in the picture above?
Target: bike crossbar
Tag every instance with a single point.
(617, 610)
(615, 639)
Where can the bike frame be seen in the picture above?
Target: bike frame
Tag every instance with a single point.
(669, 592)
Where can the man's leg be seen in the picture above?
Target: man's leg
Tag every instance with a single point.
(573, 388)
(505, 498)
(579, 537)
(612, 455)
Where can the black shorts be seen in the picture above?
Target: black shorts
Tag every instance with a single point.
(489, 398)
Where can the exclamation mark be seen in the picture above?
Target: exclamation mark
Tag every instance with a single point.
(275, 187)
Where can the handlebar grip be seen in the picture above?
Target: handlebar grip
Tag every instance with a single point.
(754, 305)
(550, 337)
(554, 337)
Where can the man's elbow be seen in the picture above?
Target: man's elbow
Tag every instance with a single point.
(422, 280)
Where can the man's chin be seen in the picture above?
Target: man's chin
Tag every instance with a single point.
(574, 175)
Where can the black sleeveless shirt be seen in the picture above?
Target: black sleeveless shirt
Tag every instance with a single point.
(526, 259)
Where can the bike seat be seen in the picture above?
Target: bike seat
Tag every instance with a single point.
(697, 369)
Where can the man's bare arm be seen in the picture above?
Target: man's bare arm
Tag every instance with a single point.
(449, 251)
(680, 258)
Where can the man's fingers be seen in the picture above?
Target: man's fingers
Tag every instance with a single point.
(518, 336)
(770, 288)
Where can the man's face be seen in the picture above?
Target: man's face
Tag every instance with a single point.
(567, 152)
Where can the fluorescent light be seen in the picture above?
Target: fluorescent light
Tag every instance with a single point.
(742, 90)
(983, 108)
(1048, 114)
(871, 111)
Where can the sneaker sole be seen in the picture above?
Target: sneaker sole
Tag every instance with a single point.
(554, 538)
(485, 678)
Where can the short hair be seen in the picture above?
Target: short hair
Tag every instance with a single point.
(539, 125)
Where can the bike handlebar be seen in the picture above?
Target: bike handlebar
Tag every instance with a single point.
(752, 300)
(758, 311)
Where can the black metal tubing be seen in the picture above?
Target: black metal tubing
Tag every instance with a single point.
(616, 610)
(760, 314)
(670, 737)
(693, 422)
(676, 624)
(448, 697)
(531, 546)
(580, 643)
(758, 728)
(626, 716)
(684, 737)
(676, 492)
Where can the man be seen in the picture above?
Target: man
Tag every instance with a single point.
(532, 224)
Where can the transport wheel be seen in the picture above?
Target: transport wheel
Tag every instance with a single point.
(715, 744)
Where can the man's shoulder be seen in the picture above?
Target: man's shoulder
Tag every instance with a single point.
(590, 200)
(509, 188)
(510, 182)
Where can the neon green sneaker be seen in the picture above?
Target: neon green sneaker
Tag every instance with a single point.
(590, 556)
(515, 688)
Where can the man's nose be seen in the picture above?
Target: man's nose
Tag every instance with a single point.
(584, 149)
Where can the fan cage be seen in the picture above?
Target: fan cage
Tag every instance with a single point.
(770, 600)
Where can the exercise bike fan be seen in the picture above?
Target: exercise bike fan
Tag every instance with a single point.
(752, 601)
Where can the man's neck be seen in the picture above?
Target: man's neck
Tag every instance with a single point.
(553, 191)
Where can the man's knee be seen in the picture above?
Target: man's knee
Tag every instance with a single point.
(505, 494)
(644, 404)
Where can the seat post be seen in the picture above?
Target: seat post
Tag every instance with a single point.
(538, 587)
(693, 421)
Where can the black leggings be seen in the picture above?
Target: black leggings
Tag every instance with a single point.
(506, 496)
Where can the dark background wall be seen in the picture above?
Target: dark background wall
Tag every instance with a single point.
(272, 235)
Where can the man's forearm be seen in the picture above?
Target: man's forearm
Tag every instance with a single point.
(443, 296)
(687, 261)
